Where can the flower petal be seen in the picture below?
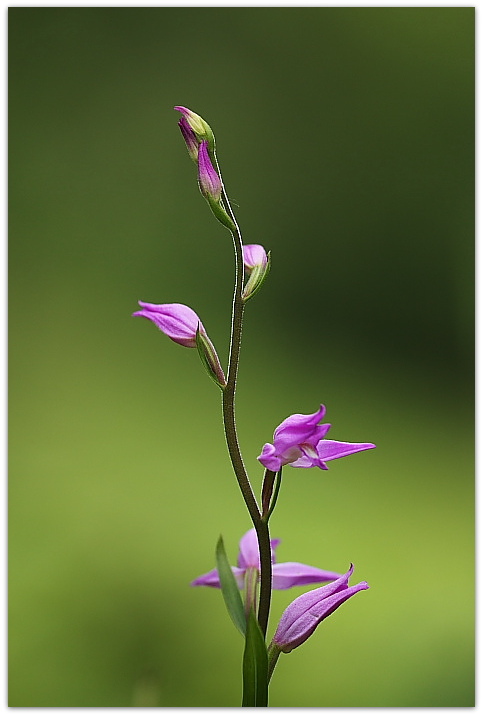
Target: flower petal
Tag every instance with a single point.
(177, 321)
(297, 429)
(210, 182)
(249, 555)
(254, 255)
(269, 458)
(211, 579)
(294, 574)
(332, 449)
(307, 600)
(298, 630)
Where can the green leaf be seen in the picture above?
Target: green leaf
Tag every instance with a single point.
(229, 588)
(255, 665)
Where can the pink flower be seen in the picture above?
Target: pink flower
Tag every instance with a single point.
(299, 441)
(177, 321)
(284, 575)
(304, 614)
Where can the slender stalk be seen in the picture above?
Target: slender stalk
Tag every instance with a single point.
(275, 496)
(229, 391)
(267, 490)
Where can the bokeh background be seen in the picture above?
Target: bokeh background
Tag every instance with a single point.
(345, 137)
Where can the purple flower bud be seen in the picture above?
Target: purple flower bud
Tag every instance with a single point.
(190, 138)
(197, 124)
(254, 255)
(257, 264)
(304, 614)
(177, 321)
(299, 441)
(210, 183)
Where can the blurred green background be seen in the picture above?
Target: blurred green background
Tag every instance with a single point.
(345, 136)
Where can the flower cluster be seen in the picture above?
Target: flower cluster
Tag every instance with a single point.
(299, 441)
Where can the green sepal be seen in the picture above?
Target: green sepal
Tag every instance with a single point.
(209, 358)
(220, 213)
(256, 279)
(229, 588)
(255, 665)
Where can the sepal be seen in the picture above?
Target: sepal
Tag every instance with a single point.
(209, 358)
(256, 279)
(220, 214)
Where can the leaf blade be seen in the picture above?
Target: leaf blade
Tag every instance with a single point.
(255, 665)
(229, 588)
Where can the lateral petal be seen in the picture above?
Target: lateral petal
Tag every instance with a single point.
(295, 574)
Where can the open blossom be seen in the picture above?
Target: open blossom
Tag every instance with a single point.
(210, 183)
(254, 255)
(304, 614)
(177, 321)
(284, 575)
(299, 441)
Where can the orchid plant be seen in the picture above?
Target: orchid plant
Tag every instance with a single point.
(299, 442)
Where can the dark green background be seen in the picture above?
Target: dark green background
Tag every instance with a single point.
(345, 137)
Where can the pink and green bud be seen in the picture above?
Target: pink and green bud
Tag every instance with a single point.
(190, 138)
(304, 614)
(209, 181)
(183, 326)
(254, 256)
(177, 321)
(257, 264)
(197, 124)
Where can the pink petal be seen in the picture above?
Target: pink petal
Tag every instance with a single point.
(296, 429)
(293, 574)
(332, 449)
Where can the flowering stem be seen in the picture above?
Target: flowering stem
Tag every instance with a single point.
(261, 526)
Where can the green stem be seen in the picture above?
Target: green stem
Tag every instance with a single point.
(273, 654)
(229, 422)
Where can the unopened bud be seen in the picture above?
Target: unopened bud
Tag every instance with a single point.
(198, 125)
(190, 138)
(209, 181)
(209, 357)
(257, 264)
